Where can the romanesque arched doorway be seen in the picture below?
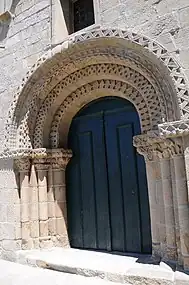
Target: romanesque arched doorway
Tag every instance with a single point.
(108, 206)
(85, 67)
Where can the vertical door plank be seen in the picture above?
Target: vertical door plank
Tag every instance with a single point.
(115, 185)
(73, 194)
(122, 175)
(91, 162)
(101, 189)
(130, 189)
(87, 190)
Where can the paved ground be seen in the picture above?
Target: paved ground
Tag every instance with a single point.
(17, 274)
(114, 268)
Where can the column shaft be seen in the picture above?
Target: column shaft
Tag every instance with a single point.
(169, 209)
(51, 205)
(23, 166)
(60, 206)
(161, 209)
(45, 240)
(183, 209)
(34, 207)
(154, 214)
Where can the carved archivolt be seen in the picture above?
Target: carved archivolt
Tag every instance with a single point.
(140, 102)
(145, 95)
(107, 59)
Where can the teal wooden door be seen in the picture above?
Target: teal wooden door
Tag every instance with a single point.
(107, 196)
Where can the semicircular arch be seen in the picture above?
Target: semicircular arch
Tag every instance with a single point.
(85, 50)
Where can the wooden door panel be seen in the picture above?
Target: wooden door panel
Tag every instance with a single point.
(74, 204)
(93, 187)
(122, 176)
(87, 189)
(130, 189)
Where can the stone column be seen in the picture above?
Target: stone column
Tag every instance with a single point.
(177, 230)
(23, 167)
(154, 207)
(60, 159)
(153, 179)
(34, 207)
(183, 207)
(43, 198)
(51, 206)
(160, 208)
(42, 174)
(171, 252)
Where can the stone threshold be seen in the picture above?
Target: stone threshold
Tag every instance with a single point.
(18, 274)
(104, 266)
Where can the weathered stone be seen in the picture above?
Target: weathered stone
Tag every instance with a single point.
(43, 228)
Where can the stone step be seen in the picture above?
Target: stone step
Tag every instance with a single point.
(103, 266)
(17, 274)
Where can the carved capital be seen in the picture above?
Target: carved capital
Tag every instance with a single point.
(41, 164)
(143, 143)
(168, 148)
(22, 164)
(57, 158)
(146, 151)
(153, 146)
(60, 158)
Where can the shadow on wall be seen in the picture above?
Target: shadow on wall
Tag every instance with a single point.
(5, 19)
(67, 12)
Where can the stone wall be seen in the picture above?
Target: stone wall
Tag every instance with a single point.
(23, 39)
(166, 21)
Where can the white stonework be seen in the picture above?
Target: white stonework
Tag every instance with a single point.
(138, 51)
